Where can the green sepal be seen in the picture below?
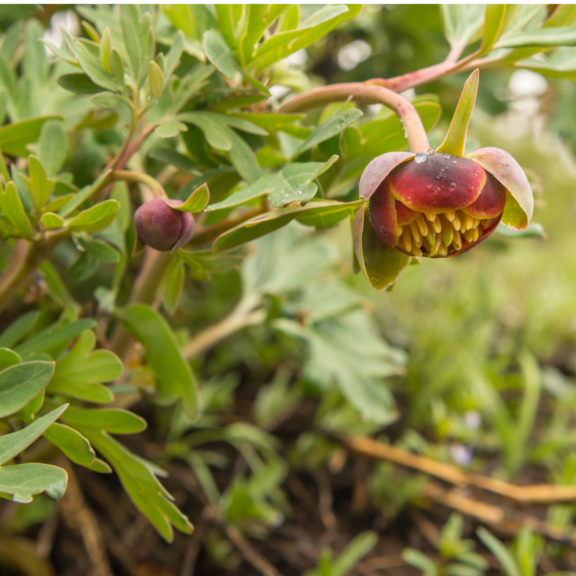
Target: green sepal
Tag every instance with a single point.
(380, 263)
(455, 141)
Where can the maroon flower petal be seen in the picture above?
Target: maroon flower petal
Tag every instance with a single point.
(438, 183)
(375, 173)
(491, 201)
(519, 200)
(383, 218)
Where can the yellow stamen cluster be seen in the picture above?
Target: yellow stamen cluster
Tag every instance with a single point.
(440, 234)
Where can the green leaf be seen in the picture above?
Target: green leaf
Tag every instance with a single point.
(455, 140)
(15, 137)
(281, 45)
(329, 128)
(503, 556)
(285, 186)
(88, 55)
(21, 383)
(40, 186)
(276, 122)
(12, 444)
(560, 63)
(56, 287)
(94, 218)
(533, 230)
(80, 373)
(51, 221)
(11, 206)
(24, 481)
(99, 250)
(137, 34)
(105, 46)
(496, 21)
(174, 158)
(228, 15)
(461, 22)
(271, 221)
(139, 481)
(172, 372)
(192, 19)
(113, 420)
(52, 147)
(83, 195)
(219, 53)
(356, 549)
(72, 443)
(172, 58)
(78, 84)
(156, 79)
(197, 201)
(341, 353)
(106, 100)
(18, 329)
(170, 128)
(381, 264)
(53, 337)
(203, 263)
(8, 358)
(543, 37)
(172, 284)
(259, 17)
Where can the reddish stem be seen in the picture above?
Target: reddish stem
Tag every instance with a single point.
(365, 93)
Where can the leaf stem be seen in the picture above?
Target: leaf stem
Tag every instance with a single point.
(366, 93)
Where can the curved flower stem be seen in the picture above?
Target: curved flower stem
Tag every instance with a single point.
(366, 93)
(140, 177)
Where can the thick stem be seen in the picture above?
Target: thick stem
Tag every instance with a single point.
(365, 93)
(25, 258)
(144, 291)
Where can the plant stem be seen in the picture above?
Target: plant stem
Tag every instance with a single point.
(26, 256)
(366, 93)
(247, 313)
(140, 177)
(147, 282)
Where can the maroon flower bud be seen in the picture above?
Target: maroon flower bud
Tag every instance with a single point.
(162, 227)
(438, 205)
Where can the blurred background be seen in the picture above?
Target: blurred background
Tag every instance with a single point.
(478, 354)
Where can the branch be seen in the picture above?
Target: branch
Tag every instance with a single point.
(366, 93)
(246, 313)
(542, 493)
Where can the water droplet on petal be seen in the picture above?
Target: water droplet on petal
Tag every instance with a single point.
(453, 185)
(420, 158)
(447, 156)
(430, 151)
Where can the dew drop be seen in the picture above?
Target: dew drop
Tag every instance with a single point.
(408, 198)
(447, 156)
(453, 185)
(420, 158)
(471, 190)
(430, 151)
(454, 162)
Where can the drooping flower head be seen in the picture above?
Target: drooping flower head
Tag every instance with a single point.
(437, 203)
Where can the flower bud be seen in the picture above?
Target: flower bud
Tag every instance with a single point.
(159, 225)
